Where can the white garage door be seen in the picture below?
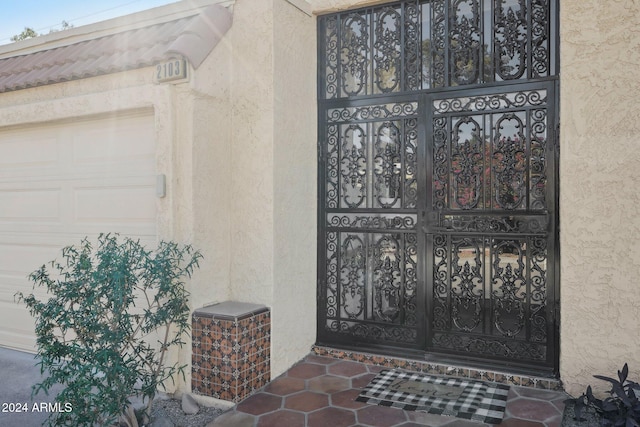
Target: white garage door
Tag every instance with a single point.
(62, 182)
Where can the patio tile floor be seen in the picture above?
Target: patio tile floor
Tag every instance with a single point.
(320, 392)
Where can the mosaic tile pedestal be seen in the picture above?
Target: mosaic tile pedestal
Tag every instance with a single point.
(230, 350)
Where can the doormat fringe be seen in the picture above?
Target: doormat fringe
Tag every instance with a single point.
(455, 397)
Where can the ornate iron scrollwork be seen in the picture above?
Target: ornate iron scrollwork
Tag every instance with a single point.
(465, 42)
(437, 206)
(467, 163)
(509, 295)
(354, 54)
(387, 51)
(421, 44)
(467, 284)
(509, 166)
(510, 39)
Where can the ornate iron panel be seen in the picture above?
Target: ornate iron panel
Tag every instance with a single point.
(489, 224)
(438, 180)
(370, 220)
(415, 45)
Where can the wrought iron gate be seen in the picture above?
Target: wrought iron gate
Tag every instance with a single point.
(438, 181)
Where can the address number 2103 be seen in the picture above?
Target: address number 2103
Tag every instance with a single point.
(171, 70)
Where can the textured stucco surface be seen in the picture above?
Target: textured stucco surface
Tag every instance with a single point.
(600, 175)
(295, 152)
(252, 133)
(273, 156)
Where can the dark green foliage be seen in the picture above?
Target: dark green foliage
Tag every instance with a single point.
(621, 408)
(112, 312)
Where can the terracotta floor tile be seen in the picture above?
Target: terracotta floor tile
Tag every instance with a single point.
(321, 391)
(375, 369)
(285, 385)
(347, 369)
(306, 401)
(307, 370)
(515, 422)
(233, 419)
(538, 393)
(347, 399)
(331, 417)
(281, 419)
(530, 409)
(329, 384)
(362, 381)
(426, 419)
(260, 403)
(456, 422)
(322, 360)
(381, 416)
(554, 421)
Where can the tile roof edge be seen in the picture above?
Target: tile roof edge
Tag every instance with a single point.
(202, 35)
(145, 18)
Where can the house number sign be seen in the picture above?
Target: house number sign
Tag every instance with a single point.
(171, 70)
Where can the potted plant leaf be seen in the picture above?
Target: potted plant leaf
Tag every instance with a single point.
(620, 408)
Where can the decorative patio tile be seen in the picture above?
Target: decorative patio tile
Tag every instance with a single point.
(362, 381)
(347, 369)
(534, 410)
(536, 393)
(347, 399)
(321, 360)
(307, 370)
(514, 422)
(328, 384)
(281, 419)
(381, 416)
(333, 417)
(306, 401)
(233, 419)
(260, 403)
(285, 385)
(229, 361)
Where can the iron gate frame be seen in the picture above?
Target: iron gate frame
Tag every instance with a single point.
(421, 349)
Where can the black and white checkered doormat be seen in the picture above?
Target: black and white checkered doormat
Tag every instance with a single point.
(456, 397)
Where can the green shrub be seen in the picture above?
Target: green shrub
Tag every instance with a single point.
(112, 313)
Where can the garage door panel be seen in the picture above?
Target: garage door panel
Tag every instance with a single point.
(27, 152)
(108, 205)
(113, 143)
(18, 332)
(27, 205)
(18, 260)
(64, 182)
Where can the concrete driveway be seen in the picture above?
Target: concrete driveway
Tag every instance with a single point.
(19, 373)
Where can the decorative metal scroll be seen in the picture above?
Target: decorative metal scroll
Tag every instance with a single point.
(420, 44)
(493, 224)
(437, 168)
(488, 152)
(520, 99)
(372, 285)
(372, 221)
(506, 277)
(490, 225)
(372, 156)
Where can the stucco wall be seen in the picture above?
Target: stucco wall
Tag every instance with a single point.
(273, 157)
(295, 177)
(252, 133)
(600, 174)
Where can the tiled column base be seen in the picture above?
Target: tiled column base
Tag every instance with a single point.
(231, 344)
(439, 369)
